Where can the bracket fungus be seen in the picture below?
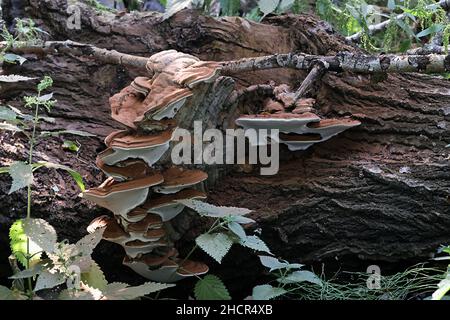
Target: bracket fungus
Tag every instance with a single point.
(141, 222)
(177, 179)
(297, 131)
(123, 145)
(122, 197)
(167, 206)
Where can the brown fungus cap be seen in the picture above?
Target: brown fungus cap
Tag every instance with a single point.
(131, 140)
(142, 85)
(127, 106)
(113, 230)
(150, 221)
(167, 199)
(180, 177)
(126, 170)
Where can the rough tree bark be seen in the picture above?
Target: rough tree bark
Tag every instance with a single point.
(377, 192)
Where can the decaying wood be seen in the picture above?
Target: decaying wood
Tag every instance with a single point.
(377, 192)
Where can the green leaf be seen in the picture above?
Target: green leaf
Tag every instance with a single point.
(230, 7)
(7, 114)
(14, 78)
(8, 294)
(74, 174)
(18, 243)
(121, 291)
(95, 277)
(255, 243)
(13, 58)
(211, 288)
(21, 174)
(285, 5)
(391, 4)
(215, 245)
(267, 6)
(267, 292)
(70, 145)
(275, 264)
(40, 232)
(45, 83)
(28, 273)
(301, 276)
(46, 97)
(237, 229)
(209, 210)
(435, 28)
(48, 280)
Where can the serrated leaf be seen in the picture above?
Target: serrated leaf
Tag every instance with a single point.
(21, 174)
(95, 277)
(301, 276)
(209, 210)
(267, 292)
(41, 232)
(14, 78)
(267, 6)
(13, 58)
(211, 288)
(48, 280)
(86, 293)
(121, 291)
(237, 229)
(18, 243)
(255, 243)
(74, 174)
(85, 247)
(216, 245)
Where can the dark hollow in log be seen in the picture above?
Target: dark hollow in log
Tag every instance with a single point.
(377, 192)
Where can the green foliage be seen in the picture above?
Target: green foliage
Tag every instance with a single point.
(27, 253)
(230, 7)
(21, 174)
(267, 292)
(216, 245)
(211, 288)
(70, 146)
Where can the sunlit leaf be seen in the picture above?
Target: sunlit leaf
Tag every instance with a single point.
(209, 210)
(48, 280)
(275, 264)
(40, 232)
(21, 174)
(70, 145)
(13, 58)
(121, 291)
(18, 243)
(267, 6)
(95, 277)
(301, 276)
(255, 243)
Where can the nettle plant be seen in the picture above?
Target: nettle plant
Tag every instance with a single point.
(227, 229)
(444, 284)
(39, 261)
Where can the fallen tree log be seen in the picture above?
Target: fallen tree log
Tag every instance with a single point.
(377, 192)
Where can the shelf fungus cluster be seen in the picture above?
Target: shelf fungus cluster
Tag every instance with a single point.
(141, 193)
(299, 128)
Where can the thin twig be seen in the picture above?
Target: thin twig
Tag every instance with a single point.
(316, 73)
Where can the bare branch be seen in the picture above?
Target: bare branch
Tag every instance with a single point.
(313, 76)
(343, 61)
